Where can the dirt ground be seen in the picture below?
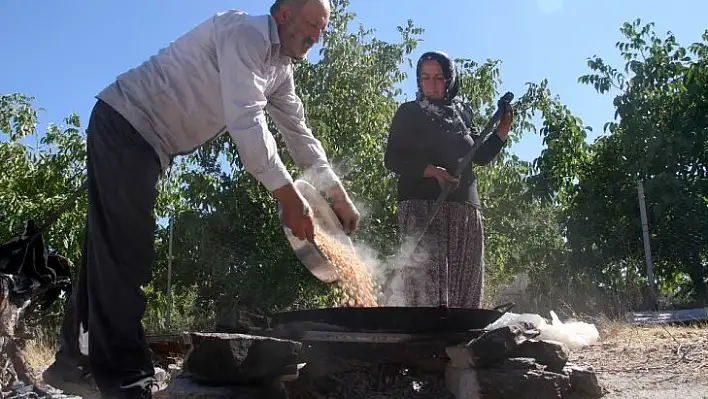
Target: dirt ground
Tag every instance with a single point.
(650, 362)
(632, 362)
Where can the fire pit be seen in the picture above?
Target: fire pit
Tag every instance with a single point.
(409, 336)
(342, 353)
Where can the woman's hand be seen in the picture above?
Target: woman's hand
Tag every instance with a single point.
(505, 122)
(441, 175)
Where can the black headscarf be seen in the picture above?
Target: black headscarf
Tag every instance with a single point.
(445, 112)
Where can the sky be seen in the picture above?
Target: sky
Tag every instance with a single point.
(63, 52)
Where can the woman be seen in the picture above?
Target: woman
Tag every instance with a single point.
(428, 137)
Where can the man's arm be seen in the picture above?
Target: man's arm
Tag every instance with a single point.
(288, 113)
(241, 58)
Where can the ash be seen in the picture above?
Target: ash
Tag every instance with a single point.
(374, 381)
(20, 390)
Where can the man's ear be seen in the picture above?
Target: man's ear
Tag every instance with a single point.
(283, 14)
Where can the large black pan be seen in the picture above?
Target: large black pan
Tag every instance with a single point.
(403, 320)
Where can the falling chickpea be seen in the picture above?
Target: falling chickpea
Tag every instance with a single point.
(355, 285)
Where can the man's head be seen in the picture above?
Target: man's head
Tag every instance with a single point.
(300, 24)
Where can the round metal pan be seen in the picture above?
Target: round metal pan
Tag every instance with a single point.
(326, 220)
(406, 320)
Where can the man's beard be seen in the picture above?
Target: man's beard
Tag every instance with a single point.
(299, 48)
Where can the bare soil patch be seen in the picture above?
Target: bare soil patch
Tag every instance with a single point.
(632, 362)
(649, 361)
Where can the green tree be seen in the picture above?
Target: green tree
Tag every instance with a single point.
(40, 171)
(659, 138)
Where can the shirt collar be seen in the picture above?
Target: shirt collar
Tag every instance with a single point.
(274, 38)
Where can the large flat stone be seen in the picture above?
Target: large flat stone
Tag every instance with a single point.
(517, 383)
(495, 345)
(462, 382)
(516, 378)
(236, 359)
(240, 321)
(583, 382)
(553, 355)
(520, 363)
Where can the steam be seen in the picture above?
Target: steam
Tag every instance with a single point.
(322, 177)
(515, 291)
(381, 267)
(326, 176)
(401, 263)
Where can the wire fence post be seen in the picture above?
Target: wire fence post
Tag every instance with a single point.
(168, 314)
(647, 246)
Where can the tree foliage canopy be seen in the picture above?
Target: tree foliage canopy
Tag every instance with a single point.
(570, 218)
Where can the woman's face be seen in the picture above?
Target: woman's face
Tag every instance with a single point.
(432, 80)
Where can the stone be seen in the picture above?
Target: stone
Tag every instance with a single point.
(519, 377)
(20, 390)
(515, 378)
(520, 363)
(291, 373)
(235, 359)
(553, 355)
(174, 371)
(518, 383)
(238, 321)
(462, 382)
(460, 356)
(583, 382)
(495, 345)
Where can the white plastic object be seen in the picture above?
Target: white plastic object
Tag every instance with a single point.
(574, 334)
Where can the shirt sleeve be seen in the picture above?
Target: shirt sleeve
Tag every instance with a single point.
(242, 60)
(491, 146)
(288, 113)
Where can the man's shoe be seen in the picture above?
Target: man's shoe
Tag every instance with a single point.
(142, 389)
(70, 379)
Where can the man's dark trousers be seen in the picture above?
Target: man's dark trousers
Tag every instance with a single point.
(117, 257)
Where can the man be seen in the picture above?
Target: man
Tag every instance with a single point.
(219, 77)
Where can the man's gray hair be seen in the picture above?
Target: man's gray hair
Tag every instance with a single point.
(294, 4)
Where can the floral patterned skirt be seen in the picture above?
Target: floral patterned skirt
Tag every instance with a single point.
(448, 265)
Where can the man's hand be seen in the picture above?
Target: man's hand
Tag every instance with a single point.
(441, 175)
(297, 213)
(505, 122)
(345, 209)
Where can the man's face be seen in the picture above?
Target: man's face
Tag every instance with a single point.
(300, 29)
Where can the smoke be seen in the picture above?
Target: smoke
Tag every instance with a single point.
(321, 177)
(404, 263)
(386, 271)
(380, 267)
(515, 291)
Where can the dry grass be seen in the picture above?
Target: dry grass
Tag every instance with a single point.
(628, 348)
(40, 352)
